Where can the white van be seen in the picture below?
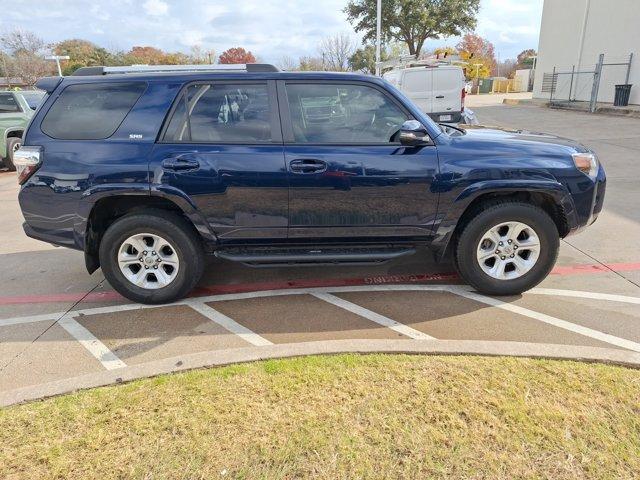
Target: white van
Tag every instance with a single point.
(438, 91)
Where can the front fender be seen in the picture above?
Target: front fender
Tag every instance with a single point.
(449, 215)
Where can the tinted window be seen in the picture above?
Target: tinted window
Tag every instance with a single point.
(337, 113)
(8, 104)
(221, 113)
(91, 111)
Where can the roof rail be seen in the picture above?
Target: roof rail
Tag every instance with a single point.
(237, 67)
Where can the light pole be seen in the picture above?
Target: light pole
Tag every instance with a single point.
(378, 28)
(57, 58)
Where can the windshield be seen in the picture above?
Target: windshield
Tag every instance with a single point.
(33, 98)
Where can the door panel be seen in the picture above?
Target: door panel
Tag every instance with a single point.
(341, 189)
(418, 86)
(365, 191)
(224, 152)
(447, 87)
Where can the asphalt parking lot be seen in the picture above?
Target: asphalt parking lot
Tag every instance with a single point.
(57, 323)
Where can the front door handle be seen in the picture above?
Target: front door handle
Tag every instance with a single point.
(180, 163)
(439, 96)
(308, 165)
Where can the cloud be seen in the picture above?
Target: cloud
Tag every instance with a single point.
(156, 8)
(270, 29)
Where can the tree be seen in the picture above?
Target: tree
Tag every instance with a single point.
(413, 21)
(23, 56)
(524, 59)
(476, 50)
(310, 64)
(287, 63)
(82, 53)
(364, 59)
(336, 51)
(236, 55)
(200, 56)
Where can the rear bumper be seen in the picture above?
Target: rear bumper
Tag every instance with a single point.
(456, 117)
(54, 237)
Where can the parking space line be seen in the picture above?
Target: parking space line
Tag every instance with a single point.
(99, 350)
(230, 324)
(303, 291)
(373, 316)
(580, 294)
(587, 332)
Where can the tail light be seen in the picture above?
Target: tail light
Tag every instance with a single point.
(27, 160)
(463, 94)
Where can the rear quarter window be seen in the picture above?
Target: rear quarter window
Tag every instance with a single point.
(91, 111)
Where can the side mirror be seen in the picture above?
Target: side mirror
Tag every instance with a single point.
(413, 134)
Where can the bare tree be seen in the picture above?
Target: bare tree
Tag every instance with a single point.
(336, 51)
(17, 40)
(25, 56)
(287, 63)
(199, 55)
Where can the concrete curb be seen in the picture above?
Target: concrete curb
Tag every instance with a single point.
(249, 354)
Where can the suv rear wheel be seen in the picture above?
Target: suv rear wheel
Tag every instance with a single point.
(13, 144)
(151, 257)
(507, 248)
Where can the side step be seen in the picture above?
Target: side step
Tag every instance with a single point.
(306, 256)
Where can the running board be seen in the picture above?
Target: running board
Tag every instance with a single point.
(302, 257)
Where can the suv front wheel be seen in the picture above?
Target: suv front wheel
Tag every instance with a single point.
(507, 248)
(151, 257)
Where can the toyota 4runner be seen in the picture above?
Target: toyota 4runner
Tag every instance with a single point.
(148, 169)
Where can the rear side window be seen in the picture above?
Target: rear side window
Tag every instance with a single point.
(216, 113)
(91, 111)
(8, 104)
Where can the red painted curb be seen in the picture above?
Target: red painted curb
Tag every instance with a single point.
(304, 283)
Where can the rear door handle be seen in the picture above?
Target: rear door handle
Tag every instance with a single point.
(181, 163)
(308, 165)
(439, 96)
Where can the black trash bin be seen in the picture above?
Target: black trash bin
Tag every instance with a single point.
(622, 95)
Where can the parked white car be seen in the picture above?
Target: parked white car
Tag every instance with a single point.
(438, 91)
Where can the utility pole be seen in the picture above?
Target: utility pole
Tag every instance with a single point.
(57, 58)
(378, 29)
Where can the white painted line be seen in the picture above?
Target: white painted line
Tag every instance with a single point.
(106, 357)
(587, 332)
(5, 322)
(230, 324)
(373, 316)
(582, 294)
(304, 291)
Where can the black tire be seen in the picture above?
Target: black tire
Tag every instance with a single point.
(13, 143)
(494, 214)
(173, 228)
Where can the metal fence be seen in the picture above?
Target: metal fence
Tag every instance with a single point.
(568, 86)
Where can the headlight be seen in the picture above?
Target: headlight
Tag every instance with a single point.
(587, 163)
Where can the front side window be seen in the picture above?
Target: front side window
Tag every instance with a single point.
(91, 111)
(8, 103)
(342, 113)
(214, 113)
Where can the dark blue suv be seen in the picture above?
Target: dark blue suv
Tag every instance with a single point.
(148, 169)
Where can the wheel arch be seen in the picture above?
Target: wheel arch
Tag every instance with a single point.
(553, 198)
(103, 210)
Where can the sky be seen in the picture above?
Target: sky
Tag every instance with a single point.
(268, 28)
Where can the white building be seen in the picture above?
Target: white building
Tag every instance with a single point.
(575, 33)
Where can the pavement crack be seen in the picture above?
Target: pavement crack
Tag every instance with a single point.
(603, 264)
(76, 303)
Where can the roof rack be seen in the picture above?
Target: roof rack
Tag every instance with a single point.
(237, 67)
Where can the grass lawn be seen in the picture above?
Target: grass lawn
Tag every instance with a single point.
(339, 417)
